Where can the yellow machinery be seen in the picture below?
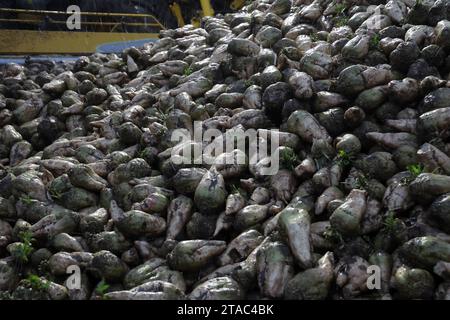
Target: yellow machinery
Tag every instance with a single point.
(24, 41)
(30, 31)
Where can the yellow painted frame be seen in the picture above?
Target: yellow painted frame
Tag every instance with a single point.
(61, 42)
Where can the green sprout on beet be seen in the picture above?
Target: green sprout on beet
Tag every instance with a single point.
(101, 289)
(25, 247)
(288, 159)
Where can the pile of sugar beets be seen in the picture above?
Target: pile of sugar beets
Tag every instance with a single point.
(93, 205)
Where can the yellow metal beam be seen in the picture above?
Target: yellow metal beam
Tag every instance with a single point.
(61, 42)
(176, 11)
(207, 8)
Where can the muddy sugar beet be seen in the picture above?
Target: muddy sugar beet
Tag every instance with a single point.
(358, 95)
